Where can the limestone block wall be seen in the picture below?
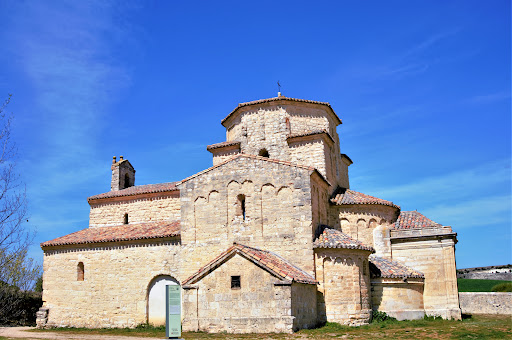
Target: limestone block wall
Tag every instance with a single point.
(398, 298)
(142, 208)
(486, 303)
(259, 305)
(434, 256)
(114, 289)
(312, 153)
(277, 215)
(304, 306)
(359, 221)
(221, 156)
(344, 286)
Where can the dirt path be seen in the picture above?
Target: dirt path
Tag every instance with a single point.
(21, 332)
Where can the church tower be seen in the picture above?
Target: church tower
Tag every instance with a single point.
(288, 129)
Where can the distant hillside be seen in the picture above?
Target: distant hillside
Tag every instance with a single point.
(503, 273)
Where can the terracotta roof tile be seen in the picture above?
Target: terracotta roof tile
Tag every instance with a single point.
(413, 220)
(342, 196)
(381, 267)
(125, 232)
(311, 133)
(137, 190)
(264, 258)
(281, 98)
(332, 238)
(222, 145)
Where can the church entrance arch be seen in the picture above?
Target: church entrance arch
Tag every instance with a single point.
(156, 299)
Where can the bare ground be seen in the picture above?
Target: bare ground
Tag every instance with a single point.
(21, 332)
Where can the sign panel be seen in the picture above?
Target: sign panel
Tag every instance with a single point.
(173, 311)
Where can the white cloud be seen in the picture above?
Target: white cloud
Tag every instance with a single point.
(473, 182)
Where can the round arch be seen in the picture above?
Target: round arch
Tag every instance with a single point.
(156, 299)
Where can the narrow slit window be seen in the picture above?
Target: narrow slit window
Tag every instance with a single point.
(125, 220)
(80, 271)
(241, 206)
(235, 282)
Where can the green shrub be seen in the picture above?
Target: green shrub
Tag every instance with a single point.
(378, 316)
(17, 307)
(502, 287)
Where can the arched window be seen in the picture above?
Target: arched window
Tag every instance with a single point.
(125, 221)
(80, 271)
(288, 127)
(263, 153)
(240, 207)
(127, 181)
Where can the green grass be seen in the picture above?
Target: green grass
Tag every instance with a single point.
(475, 285)
(476, 327)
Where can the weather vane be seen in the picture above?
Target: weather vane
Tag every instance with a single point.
(278, 89)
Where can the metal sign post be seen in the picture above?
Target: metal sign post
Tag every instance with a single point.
(173, 311)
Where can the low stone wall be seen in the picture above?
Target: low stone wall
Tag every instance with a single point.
(486, 303)
(486, 276)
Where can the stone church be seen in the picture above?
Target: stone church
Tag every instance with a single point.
(271, 238)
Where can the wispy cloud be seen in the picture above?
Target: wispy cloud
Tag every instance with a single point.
(454, 185)
(491, 97)
(491, 210)
(471, 197)
(65, 49)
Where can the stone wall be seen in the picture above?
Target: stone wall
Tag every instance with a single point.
(304, 306)
(114, 289)
(344, 281)
(432, 252)
(400, 299)
(260, 304)
(359, 221)
(486, 303)
(143, 208)
(277, 216)
(486, 276)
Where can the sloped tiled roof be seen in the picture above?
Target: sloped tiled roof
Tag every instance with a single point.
(125, 232)
(332, 238)
(381, 267)
(342, 196)
(270, 261)
(266, 159)
(280, 98)
(222, 145)
(413, 220)
(137, 190)
(311, 133)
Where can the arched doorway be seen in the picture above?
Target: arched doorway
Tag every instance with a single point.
(156, 299)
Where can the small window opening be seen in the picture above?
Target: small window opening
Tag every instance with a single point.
(264, 153)
(287, 122)
(125, 219)
(241, 206)
(80, 271)
(127, 181)
(235, 282)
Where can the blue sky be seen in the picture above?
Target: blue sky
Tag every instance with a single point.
(422, 87)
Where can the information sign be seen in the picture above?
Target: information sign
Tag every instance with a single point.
(173, 311)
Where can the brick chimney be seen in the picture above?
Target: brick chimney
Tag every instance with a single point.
(123, 174)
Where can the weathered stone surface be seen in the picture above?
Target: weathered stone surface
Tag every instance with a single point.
(486, 303)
